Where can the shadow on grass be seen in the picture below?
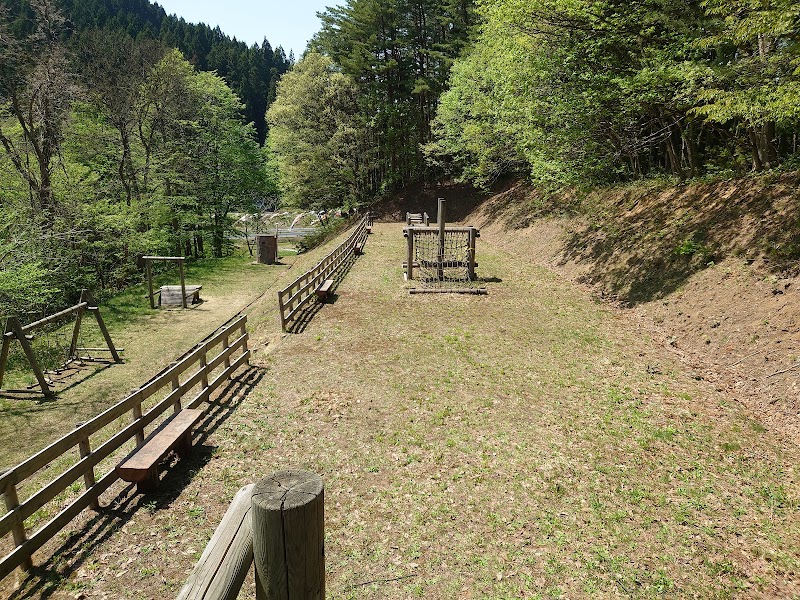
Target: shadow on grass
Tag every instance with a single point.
(650, 243)
(44, 580)
(643, 242)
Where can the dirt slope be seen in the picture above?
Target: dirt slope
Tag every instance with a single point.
(706, 270)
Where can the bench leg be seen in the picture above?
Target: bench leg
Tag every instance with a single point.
(184, 445)
(149, 483)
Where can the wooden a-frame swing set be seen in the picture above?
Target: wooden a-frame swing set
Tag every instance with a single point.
(23, 334)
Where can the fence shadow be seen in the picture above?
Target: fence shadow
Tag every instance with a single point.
(303, 318)
(43, 580)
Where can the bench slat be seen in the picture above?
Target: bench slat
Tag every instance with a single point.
(158, 444)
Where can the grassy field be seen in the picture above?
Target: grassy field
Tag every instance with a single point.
(151, 339)
(530, 443)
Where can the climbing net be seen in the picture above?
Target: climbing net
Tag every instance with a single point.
(440, 266)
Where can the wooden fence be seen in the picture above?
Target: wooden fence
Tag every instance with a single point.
(74, 459)
(297, 294)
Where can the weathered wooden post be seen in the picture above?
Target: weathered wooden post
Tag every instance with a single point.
(410, 253)
(183, 283)
(18, 528)
(473, 234)
(440, 257)
(148, 267)
(289, 536)
(88, 477)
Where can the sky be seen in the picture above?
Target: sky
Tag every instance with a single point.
(287, 23)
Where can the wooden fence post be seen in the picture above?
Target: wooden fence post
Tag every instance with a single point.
(440, 267)
(183, 283)
(410, 254)
(176, 383)
(137, 414)
(225, 346)
(472, 236)
(288, 536)
(18, 530)
(88, 478)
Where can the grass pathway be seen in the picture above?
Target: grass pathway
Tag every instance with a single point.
(528, 443)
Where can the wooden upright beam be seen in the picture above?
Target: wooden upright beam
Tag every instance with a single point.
(183, 283)
(410, 255)
(148, 266)
(4, 353)
(76, 329)
(440, 269)
(100, 323)
(18, 531)
(16, 328)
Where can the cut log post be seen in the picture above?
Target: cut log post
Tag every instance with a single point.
(288, 536)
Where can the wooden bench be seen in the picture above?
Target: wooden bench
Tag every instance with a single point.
(141, 465)
(324, 289)
(170, 295)
(358, 249)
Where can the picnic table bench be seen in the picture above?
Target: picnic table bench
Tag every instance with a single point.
(141, 465)
(171, 295)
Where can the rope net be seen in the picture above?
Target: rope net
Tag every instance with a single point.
(442, 267)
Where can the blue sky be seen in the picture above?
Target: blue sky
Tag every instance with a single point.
(287, 23)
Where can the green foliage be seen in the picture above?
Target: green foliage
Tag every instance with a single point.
(149, 157)
(593, 91)
(330, 229)
(399, 53)
(319, 146)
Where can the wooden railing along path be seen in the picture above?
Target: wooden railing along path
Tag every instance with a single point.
(74, 458)
(294, 297)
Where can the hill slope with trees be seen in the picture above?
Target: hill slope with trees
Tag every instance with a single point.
(123, 132)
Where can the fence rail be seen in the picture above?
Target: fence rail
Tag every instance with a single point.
(297, 294)
(227, 349)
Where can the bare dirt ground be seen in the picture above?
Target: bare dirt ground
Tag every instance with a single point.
(531, 443)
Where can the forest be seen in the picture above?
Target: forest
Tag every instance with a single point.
(125, 131)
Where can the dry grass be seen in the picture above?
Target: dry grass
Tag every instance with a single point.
(529, 443)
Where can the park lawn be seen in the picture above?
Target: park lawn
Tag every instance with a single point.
(527, 443)
(151, 340)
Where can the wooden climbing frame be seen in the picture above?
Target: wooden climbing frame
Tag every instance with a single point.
(23, 334)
